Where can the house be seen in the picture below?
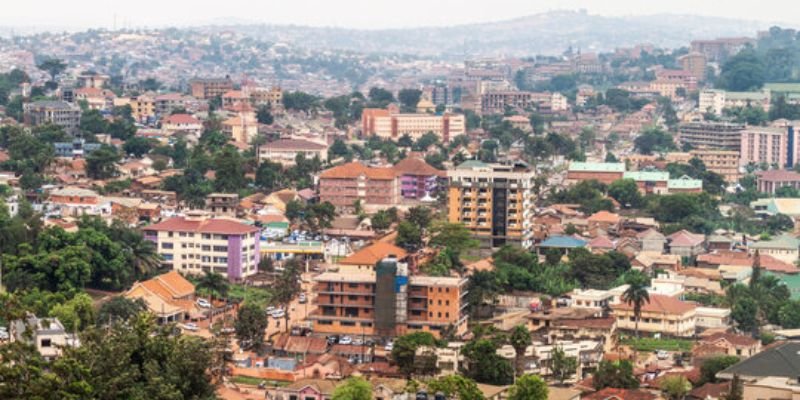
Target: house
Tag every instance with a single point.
(418, 179)
(770, 374)
(561, 393)
(600, 245)
(774, 206)
(181, 123)
(366, 258)
(710, 391)
(785, 248)
(48, 335)
(285, 151)
(769, 263)
(735, 345)
(389, 389)
(620, 394)
(74, 202)
(662, 314)
(602, 172)
(565, 244)
(605, 221)
(652, 240)
(602, 330)
(713, 318)
(169, 296)
(686, 244)
(305, 389)
(222, 204)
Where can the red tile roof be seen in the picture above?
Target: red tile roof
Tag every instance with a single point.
(768, 262)
(416, 166)
(370, 255)
(732, 338)
(604, 216)
(601, 242)
(213, 225)
(660, 304)
(685, 238)
(355, 169)
(181, 119)
(620, 394)
(294, 144)
(778, 175)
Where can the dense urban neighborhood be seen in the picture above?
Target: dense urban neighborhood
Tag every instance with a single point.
(208, 214)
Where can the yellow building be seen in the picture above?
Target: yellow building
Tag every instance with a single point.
(143, 108)
(665, 315)
(494, 201)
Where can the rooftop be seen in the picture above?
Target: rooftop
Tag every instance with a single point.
(210, 225)
(373, 253)
(597, 167)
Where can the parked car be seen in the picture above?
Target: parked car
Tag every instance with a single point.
(302, 298)
(279, 313)
(389, 346)
(333, 339)
(662, 354)
(203, 303)
(358, 342)
(270, 309)
(190, 326)
(345, 340)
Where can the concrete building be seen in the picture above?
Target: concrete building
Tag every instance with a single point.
(419, 180)
(285, 151)
(169, 296)
(718, 50)
(345, 184)
(195, 244)
(59, 113)
(387, 302)
(210, 87)
(601, 172)
(494, 201)
(715, 101)
(182, 123)
(711, 135)
(222, 204)
(767, 145)
(722, 162)
(387, 124)
(271, 97)
(772, 180)
(711, 101)
(662, 314)
(48, 335)
(496, 102)
(695, 64)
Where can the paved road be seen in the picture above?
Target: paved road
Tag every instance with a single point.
(297, 312)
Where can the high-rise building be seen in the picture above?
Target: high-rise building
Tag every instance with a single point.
(695, 63)
(764, 145)
(711, 135)
(391, 125)
(494, 201)
(722, 162)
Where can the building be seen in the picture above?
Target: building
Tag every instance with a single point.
(77, 148)
(722, 162)
(695, 64)
(496, 102)
(711, 135)
(494, 201)
(711, 101)
(92, 81)
(713, 318)
(718, 50)
(48, 335)
(195, 244)
(387, 302)
(168, 103)
(388, 124)
(779, 361)
(772, 180)
(222, 204)
(169, 296)
(735, 345)
(602, 172)
(182, 123)
(764, 145)
(209, 88)
(285, 151)
(241, 128)
(785, 248)
(419, 180)
(270, 97)
(61, 113)
(662, 314)
(73, 202)
(343, 185)
(686, 244)
(652, 241)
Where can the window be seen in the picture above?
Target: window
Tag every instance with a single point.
(206, 247)
(167, 245)
(167, 256)
(46, 343)
(221, 249)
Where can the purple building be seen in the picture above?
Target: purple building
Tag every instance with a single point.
(418, 178)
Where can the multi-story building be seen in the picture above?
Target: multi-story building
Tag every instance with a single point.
(715, 101)
(285, 151)
(195, 244)
(711, 101)
(722, 162)
(387, 302)
(143, 108)
(689, 81)
(764, 145)
(95, 99)
(388, 125)
(662, 314)
(94, 81)
(770, 181)
(718, 50)
(48, 335)
(272, 97)
(241, 128)
(494, 201)
(59, 113)
(496, 102)
(711, 135)
(418, 179)
(210, 87)
(166, 103)
(601, 172)
(343, 185)
(222, 204)
(695, 64)
(181, 123)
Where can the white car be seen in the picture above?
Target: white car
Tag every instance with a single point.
(279, 313)
(203, 303)
(345, 340)
(191, 326)
(389, 346)
(662, 355)
(270, 309)
(302, 298)
(3, 333)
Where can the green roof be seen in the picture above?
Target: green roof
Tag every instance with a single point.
(685, 182)
(647, 176)
(781, 242)
(597, 167)
(278, 225)
(783, 87)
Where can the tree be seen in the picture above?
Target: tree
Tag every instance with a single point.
(264, 115)
(615, 374)
(409, 236)
(789, 315)
(625, 192)
(405, 347)
(742, 72)
(484, 287)
(737, 391)
(299, 101)
(636, 294)
(93, 122)
(229, 167)
(485, 365)
(456, 386)
(453, 236)
(745, 314)
(380, 98)
(711, 366)
(251, 321)
(562, 367)
(119, 309)
(354, 388)
(409, 99)
(213, 284)
(52, 66)
(528, 387)
(76, 314)
(101, 163)
(654, 139)
(339, 149)
(420, 216)
(138, 146)
(520, 339)
(676, 387)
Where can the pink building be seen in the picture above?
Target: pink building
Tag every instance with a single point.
(764, 145)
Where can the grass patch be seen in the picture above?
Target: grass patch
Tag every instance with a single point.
(652, 344)
(249, 380)
(250, 294)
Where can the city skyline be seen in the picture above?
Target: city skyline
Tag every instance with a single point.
(355, 14)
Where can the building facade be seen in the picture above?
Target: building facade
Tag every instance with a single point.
(389, 125)
(196, 244)
(722, 162)
(711, 135)
(343, 185)
(59, 113)
(764, 145)
(494, 201)
(285, 151)
(210, 87)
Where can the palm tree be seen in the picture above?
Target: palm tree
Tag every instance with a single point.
(145, 257)
(520, 339)
(213, 284)
(636, 294)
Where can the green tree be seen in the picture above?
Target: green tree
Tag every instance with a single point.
(711, 366)
(745, 314)
(675, 387)
(528, 387)
(562, 367)
(453, 236)
(520, 339)
(101, 163)
(625, 192)
(76, 314)
(484, 364)
(409, 99)
(138, 146)
(456, 386)
(229, 167)
(636, 294)
(615, 374)
(354, 388)
(789, 315)
(119, 309)
(420, 216)
(737, 390)
(251, 321)
(52, 66)
(405, 347)
(264, 115)
(742, 72)
(654, 140)
(409, 236)
(484, 286)
(93, 122)
(380, 98)
(299, 101)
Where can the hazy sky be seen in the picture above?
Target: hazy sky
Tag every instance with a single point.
(369, 14)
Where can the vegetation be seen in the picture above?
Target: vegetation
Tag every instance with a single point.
(354, 388)
(710, 367)
(651, 344)
(615, 374)
(528, 387)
